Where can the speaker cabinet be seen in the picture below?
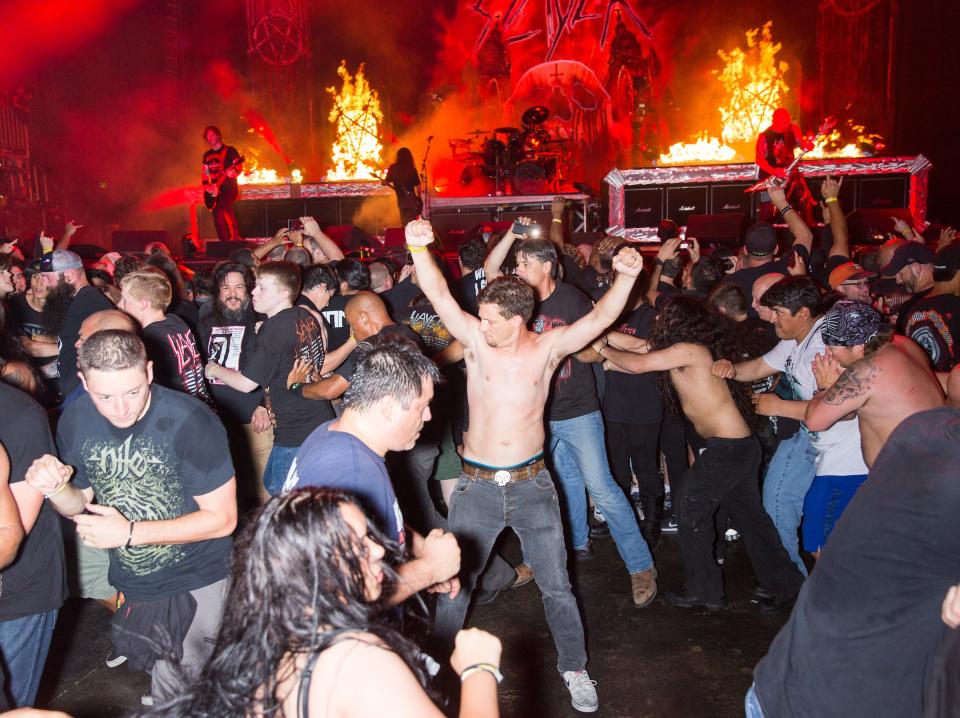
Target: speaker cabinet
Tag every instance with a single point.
(863, 223)
(642, 207)
(685, 201)
(731, 199)
(888, 192)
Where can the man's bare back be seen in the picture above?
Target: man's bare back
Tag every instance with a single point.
(507, 390)
(884, 389)
(706, 400)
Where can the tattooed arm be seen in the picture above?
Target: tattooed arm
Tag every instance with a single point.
(849, 392)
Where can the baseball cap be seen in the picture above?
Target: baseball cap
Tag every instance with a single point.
(761, 240)
(848, 272)
(947, 259)
(909, 253)
(60, 260)
(849, 323)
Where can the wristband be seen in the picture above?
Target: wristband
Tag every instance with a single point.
(129, 536)
(414, 248)
(828, 200)
(54, 493)
(659, 262)
(785, 209)
(297, 389)
(481, 668)
(558, 221)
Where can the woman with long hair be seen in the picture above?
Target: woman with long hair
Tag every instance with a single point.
(303, 633)
(403, 178)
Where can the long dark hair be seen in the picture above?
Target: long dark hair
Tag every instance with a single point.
(690, 319)
(297, 585)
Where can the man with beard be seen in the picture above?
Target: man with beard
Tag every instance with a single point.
(226, 332)
(70, 300)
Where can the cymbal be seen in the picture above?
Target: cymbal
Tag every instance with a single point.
(479, 132)
(507, 130)
(536, 115)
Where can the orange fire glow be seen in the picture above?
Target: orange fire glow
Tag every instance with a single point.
(357, 152)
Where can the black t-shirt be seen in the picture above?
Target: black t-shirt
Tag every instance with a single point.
(338, 331)
(35, 582)
(187, 311)
(633, 398)
(426, 323)
(177, 361)
(574, 391)
(934, 324)
(398, 298)
(471, 284)
(89, 300)
(905, 309)
(225, 344)
(867, 624)
(217, 162)
(28, 322)
(744, 278)
(291, 334)
(153, 471)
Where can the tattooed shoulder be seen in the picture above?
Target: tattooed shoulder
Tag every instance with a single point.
(856, 381)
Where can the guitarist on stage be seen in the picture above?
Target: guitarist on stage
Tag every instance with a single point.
(403, 178)
(221, 166)
(776, 148)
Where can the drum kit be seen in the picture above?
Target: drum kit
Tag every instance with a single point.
(525, 159)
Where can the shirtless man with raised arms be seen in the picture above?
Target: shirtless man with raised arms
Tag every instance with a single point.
(504, 480)
(685, 341)
(868, 370)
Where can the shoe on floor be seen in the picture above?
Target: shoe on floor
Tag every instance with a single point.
(644, 586)
(598, 515)
(670, 526)
(584, 554)
(684, 600)
(599, 531)
(775, 604)
(583, 691)
(524, 576)
(115, 659)
(146, 700)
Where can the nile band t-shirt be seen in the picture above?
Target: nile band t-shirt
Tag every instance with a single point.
(153, 471)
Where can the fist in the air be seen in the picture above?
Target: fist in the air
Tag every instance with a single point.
(418, 233)
(628, 261)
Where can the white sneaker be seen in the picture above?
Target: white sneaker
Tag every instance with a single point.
(146, 700)
(598, 515)
(583, 692)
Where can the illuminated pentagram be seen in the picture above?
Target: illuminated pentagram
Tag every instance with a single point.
(277, 40)
(853, 8)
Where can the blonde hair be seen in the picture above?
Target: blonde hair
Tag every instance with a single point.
(149, 284)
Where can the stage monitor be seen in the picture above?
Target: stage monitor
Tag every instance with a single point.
(728, 229)
(685, 201)
(642, 206)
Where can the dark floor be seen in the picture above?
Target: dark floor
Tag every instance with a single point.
(656, 662)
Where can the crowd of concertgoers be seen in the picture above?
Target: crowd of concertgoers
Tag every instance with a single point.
(286, 473)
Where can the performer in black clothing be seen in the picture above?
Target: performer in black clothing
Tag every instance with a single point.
(221, 166)
(776, 147)
(403, 178)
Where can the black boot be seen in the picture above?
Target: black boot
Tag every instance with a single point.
(652, 508)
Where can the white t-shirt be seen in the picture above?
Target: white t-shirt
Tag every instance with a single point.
(839, 449)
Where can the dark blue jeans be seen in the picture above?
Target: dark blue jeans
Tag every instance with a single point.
(479, 511)
(24, 643)
(278, 466)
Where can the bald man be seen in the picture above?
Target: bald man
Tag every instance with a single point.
(98, 321)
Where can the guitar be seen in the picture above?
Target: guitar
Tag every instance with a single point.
(211, 188)
(826, 127)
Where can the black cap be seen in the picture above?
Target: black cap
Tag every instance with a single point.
(909, 253)
(947, 259)
(761, 240)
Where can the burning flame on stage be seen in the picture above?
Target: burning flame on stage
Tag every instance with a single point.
(754, 86)
(357, 153)
(262, 175)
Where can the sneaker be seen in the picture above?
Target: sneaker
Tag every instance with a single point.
(115, 659)
(731, 535)
(644, 587)
(524, 576)
(599, 531)
(670, 526)
(583, 691)
(598, 515)
(147, 701)
(685, 600)
(635, 495)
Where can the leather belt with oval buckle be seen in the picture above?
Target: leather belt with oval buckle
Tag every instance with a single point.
(502, 477)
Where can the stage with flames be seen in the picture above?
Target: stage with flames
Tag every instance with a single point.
(532, 99)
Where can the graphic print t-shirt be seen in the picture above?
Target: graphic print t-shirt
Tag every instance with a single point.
(471, 284)
(31, 323)
(225, 345)
(177, 362)
(149, 472)
(574, 390)
(217, 162)
(338, 460)
(291, 334)
(338, 331)
(934, 324)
